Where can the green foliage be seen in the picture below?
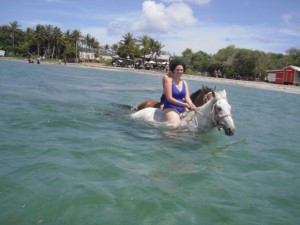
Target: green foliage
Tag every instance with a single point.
(70, 51)
(200, 61)
(248, 64)
(106, 62)
(294, 56)
(244, 63)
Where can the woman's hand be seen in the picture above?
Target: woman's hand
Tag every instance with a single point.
(190, 106)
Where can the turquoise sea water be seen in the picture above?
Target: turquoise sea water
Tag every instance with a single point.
(70, 154)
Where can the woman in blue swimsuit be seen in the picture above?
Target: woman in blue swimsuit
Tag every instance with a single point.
(177, 96)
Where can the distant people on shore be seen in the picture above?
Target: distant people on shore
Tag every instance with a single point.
(30, 60)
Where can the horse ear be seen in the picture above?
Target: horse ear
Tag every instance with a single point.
(205, 88)
(213, 93)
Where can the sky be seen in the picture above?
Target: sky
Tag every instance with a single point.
(200, 25)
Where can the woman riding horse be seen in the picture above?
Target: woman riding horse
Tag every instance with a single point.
(215, 114)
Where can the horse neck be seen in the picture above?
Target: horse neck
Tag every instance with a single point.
(207, 107)
(204, 114)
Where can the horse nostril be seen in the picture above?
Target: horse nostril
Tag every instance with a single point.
(229, 132)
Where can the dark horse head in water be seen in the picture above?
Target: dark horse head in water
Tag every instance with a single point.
(199, 98)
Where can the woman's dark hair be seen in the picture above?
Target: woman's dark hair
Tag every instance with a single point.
(176, 62)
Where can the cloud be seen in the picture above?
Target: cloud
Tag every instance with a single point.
(116, 28)
(174, 25)
(100, 33)
(196, 2)
(212, 38)
(158, 18)
(292, 28)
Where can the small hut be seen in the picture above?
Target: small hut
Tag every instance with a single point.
(287, 75)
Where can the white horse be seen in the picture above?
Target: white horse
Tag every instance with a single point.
(216, 113)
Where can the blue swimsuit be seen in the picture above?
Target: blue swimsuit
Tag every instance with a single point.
(178, 95)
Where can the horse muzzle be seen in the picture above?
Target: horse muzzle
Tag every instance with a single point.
(225, 122)
(229, 131)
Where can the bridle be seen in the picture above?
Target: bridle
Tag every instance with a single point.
(205, 97)
(215, 116)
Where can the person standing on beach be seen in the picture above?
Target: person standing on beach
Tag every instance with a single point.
(177, 95)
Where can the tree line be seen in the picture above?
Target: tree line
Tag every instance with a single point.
(50, 42)
(239, 63)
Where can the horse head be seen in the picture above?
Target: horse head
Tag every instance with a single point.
(201, 96)
(216, 113)
(221, 113)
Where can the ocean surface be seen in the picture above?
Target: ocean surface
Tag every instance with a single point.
(71, 154)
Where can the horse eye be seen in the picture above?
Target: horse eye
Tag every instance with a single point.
(219, 108)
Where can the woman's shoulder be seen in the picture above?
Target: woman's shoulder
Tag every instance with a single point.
(167, 77)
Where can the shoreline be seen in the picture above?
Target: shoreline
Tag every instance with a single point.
(292, 89)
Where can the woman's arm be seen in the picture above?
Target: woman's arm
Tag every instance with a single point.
(190, 104)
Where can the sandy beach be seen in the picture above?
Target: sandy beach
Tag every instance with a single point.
(253, 84)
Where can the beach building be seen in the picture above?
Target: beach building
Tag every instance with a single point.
(287, 75)
(2, 52)
(158, 58)
(90, 56)
(86, 56)
(106, 57)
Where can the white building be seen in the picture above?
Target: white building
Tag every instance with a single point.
(2, 52)
(160, 58)
(86, 56)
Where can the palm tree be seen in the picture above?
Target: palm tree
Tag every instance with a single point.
(94, 44)
(39, 36)
(76, 35)
(49, 39)
(87, 40)
(58, 40)
(156, 47)
(127, 46)
(13, 28)
(106, 48)
(68, 34)
(115, 48)
(144, 42)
